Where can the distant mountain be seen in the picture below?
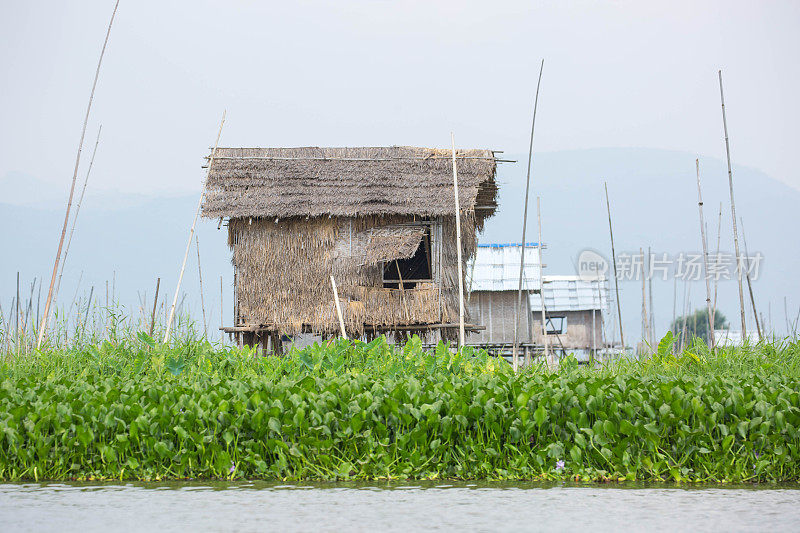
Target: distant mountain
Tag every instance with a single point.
(130, 240)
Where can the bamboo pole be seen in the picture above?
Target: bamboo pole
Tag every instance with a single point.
(191, 232)
(43, 325)
(221, 319)
(686, 305)
(338, 307)
(710, 317)
(458, 249)
(515, 357)
(614, 261)
(200, 276)
(750, 284)
(541, 281)
(645, 319)
(16, 319)
(672, 325)
(733, 211)
(651, 324)
(155, 306)
(75, 217)
(716, 277)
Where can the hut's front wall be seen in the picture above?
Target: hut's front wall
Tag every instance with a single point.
(495, 311)
(283, 271)
(579, 330)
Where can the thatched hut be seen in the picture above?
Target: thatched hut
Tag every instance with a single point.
(381, 221)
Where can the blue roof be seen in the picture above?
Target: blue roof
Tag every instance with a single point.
(506, 244)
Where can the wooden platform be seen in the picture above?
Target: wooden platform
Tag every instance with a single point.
(263, 328)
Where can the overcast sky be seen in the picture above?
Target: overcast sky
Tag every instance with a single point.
(380, 73)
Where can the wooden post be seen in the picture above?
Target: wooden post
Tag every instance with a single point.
(191, 232)
(338, 307)
(733, 211)
(514, 357)
(155, 305)
(614, 261)
(200, 276)
(43, 325)
(711, 341)
(221, 320)
(458, 249)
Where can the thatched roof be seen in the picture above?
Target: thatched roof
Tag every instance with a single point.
(397, 180)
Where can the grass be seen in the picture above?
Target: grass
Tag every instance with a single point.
(128, 407)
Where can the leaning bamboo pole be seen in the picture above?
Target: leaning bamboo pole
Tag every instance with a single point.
(338, 307)
(155, 306)
(75, 217)
(191, 232)
(458, 249)
(517, 309)
(733, 211)
(43, 325)
(750, 283)
(711, 341)
(614, 261)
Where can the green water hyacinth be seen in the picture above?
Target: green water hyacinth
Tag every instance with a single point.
(137, 410)
(484, 427)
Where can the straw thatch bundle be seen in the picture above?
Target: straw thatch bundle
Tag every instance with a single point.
(399, 180)
(298, 215)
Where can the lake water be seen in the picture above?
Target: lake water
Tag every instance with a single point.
(394, 507)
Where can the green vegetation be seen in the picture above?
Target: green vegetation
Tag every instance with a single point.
(136, 409)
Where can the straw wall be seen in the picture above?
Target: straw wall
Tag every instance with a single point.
(284, 267)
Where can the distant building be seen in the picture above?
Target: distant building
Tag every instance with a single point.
(493, 282)
(574, 310)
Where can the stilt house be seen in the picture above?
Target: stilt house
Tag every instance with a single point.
(381, 221)
(574, 309)
(493, 282)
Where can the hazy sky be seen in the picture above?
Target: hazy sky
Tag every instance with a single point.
(380, 73)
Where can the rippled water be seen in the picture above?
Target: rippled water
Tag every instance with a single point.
(394, 507)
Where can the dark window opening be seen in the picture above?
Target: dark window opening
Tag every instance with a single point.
(416, 269)
(556, 325)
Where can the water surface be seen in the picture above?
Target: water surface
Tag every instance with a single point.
(247, 506)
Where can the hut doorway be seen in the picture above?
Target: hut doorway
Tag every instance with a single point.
(407, 273)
